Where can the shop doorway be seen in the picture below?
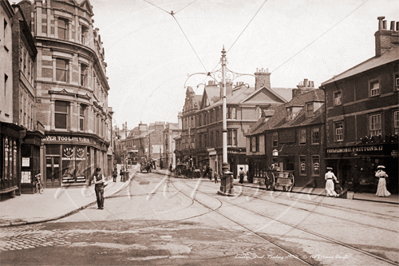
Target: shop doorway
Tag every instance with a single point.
(53, 177)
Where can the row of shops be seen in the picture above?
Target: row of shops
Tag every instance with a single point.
(63, 160)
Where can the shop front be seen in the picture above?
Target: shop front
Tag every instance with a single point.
(356, 166)
(30, 159)
(10, 169)
(71, 160)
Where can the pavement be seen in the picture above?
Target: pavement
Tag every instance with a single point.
(54, 203)
(393, 199)
(57, 203)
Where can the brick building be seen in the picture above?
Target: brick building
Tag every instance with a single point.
(172, 131)
(291, 138)
(202, 120)
(363, 115)
(72, 91)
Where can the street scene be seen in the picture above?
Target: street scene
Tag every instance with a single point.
(224, 132)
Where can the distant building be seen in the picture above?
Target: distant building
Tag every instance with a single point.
(363, 115)
(292, 138)
(171, 131)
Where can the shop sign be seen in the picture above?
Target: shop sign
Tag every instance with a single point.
(67, 138)
(356, 149)
(25, 161)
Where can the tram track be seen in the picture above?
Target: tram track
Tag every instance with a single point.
(293, 226)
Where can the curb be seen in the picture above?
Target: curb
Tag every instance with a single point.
(11, 224)
(323, 195)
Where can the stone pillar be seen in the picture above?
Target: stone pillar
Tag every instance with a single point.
(52, 115)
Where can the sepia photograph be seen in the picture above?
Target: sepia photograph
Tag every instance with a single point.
(199, 132)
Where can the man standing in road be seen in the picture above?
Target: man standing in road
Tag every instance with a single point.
(99, 182)
(241, 173)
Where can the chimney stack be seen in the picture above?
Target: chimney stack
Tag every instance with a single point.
(262, 78)
(386, 39)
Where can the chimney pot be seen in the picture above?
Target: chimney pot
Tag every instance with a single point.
(380, 24)
(397, 25)
(305, 82)
(384, 24)
(392, 25)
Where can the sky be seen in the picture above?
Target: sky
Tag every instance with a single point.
(150, 53)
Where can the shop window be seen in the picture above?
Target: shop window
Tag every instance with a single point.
(316, 165)
(83, 75)
(62, 29)
(315, 135)
(62, 70)
(374, 88)
(375, 125)
(275, 139)
(302, 136)
(232, 137)
(61, 114)
(73, 164)
(82, 112)
(337, 98)
(396, 122)
(302, 164)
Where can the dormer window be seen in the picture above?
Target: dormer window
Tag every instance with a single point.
(374, 88)
(309, 109)
(289, 114)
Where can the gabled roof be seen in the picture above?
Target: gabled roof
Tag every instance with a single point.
(144, 134)
(266, 95)
(385, 58)
(278, 120)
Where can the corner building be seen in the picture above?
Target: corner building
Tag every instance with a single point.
(72, 91)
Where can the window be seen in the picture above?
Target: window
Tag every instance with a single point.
(62, 70)
(84, 30)
(302, 164)
(211, 139)
(302, 136)
(396, 122)
(199, 141)
(5, 28)
(232, 137)
(396, 81)
(211, 116)
(217, 139)
(254, 143)
(289, 114)
(374, 88)
(309, 109)
(199, 120)
(63, 29)
(231, 113)
(82, 111)
(316, 165)
(315, 135)
(337, 98)
(339, 131)
(275, 139)
(205, 140)
(5, 87)
(83, 75)
(61, 114)
(217, 115)
(375, 125)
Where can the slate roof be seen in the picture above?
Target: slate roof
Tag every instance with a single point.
(371, 63)
(278, 120)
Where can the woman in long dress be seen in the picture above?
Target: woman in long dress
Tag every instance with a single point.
(330, 177)
(382, 183)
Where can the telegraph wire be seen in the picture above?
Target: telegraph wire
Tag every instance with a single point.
(156, 6)
(320, 36)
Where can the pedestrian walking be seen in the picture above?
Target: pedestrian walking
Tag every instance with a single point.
(241, 173)
(382, 182)
(99, 182)
(330, 177)
(210, 174)
(114, 174)
(121, 174)
(216, 177)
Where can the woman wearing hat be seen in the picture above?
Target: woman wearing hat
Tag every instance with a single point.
(382, 183)
(330, 177)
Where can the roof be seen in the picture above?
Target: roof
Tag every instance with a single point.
(143, 134)
(385, 58)
(278, 120)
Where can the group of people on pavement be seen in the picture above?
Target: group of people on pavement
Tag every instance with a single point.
(382, 191)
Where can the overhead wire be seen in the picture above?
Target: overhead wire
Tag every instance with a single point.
(320, 36)
(173, 15)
